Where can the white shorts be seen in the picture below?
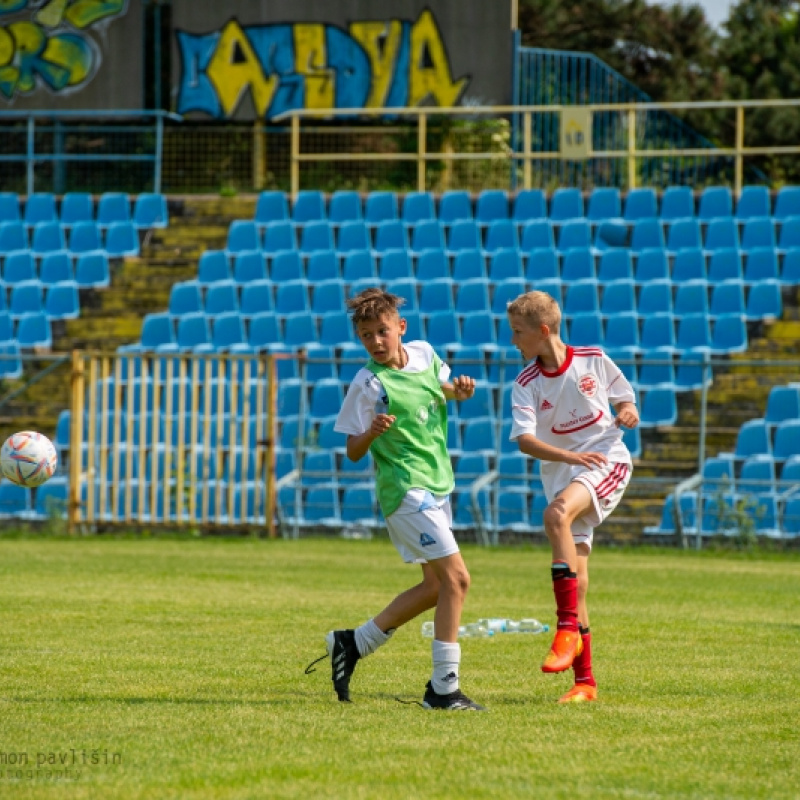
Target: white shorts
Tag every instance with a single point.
(422, 528)
(606, 486)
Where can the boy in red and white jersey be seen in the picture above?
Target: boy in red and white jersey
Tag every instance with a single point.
(560, 407)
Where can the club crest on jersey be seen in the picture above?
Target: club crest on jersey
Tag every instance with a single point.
(587, 385)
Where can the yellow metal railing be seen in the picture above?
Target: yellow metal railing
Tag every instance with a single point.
(631, 152)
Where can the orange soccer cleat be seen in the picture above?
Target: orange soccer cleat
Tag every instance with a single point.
(580, 693)
(566, 647)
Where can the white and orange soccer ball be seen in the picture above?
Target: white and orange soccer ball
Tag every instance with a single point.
(28, 459)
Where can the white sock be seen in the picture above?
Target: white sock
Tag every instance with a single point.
(446, 660)
(369, 637)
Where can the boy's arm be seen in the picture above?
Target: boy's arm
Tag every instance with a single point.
(627, 414)
(461, 388)
(536, 448)
(358, 445)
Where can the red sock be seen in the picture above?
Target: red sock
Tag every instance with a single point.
(582, 665)
(565, 588)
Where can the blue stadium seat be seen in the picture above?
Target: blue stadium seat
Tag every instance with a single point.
(13, 236)
(470, 360)
(622, 330)
(656, 369)
(309, 206)
(359, 505)
(353, 237)
(193, 330)
(418, 207)
(221, 298)
(647, 234)
(150, 211)
(228, 331)
(248, 266)
(615, 265)
(529, 204)
(76, 207)
(727, 297)
(684, 233)
(604, 204)
(359, 265)
(659, 408)
(185, 297)
(542, 264)
(754, 202)
(790, 268)
(10, 360)
(715, 202)
(472, 296)
(48, 237)
(121, 240)
(25, 298)
(464, 235)
(14, 500)
(581, 297)
(619, 297)
(316, 235)
(6, 327)
(692, 298)
(725, 265)
(299, 330)
(632, 439)
(758, 233)
(443, 329)
(574, 234)
(492, 205)
(722, 233)
(468, 264)
(271, 206)
(689, 264)
(677, 203)
(323, 265)
(513, 509)
(764, 301)
(787, 439)
(655, 297)
(658, 330)
(213, 266)
(390, 235)
(56, 267)
(538, 235)
(761, 264)
(327, 296)
(40, 207)
(113, 207)
(640, 204)
(783, 402)
(566, 204)
(380, 207)
(688, 512)
(586, 330)
(455, 206)
(787, 203)
(718, 474)
(427, 235)
(157, 330)
(278, 237)
(85, 237)
(693, 332)
(611, 235)
(326, 399)
(19, 266)
(506, 264)
(436, 296)
(432, 265)
(292, 297)
(34, 331)
(286, 267)
(62, 302)
(730, 335)
(512, 469)
(9, 207)
(320, 362)
(478, 436)
(578, 264)
(691, 374)
(351, 359)
(345, 206)
(478, 329)
(504, 293)
(757, 476)
(92, 271)
(753, 437)
(789, 236)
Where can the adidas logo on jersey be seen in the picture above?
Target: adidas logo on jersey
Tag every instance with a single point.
(426, 540)
(546, 405)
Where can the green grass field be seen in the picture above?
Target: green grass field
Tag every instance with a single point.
(141, 668)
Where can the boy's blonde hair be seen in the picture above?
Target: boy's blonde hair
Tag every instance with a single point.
(372, 304)
(536, 308)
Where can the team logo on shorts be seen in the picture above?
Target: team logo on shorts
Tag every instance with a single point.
(587, 385)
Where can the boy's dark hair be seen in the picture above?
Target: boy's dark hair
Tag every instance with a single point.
(372, 304)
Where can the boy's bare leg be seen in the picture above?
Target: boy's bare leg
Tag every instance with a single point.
(454, 580)
(411, 603)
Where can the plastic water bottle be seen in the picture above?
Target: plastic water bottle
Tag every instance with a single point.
(471, 630)
(427, 630)
(503, 625)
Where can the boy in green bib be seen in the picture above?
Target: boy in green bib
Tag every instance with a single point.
(396, 410)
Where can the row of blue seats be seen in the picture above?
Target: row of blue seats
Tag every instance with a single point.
(604, 203)
(89, 270)
(758, 437)
(481, 295)
(146, 210)
(118, 240)
(57, 301)
(245, 267)
(244, 235)
(759, 473)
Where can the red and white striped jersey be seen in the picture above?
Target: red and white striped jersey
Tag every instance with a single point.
(569, 408)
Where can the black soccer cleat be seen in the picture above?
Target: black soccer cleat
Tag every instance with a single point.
(455, 701)
(344, 655)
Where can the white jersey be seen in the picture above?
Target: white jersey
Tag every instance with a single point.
(569, 408)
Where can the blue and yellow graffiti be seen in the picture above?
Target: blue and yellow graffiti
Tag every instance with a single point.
(286, 66)
(39, 50)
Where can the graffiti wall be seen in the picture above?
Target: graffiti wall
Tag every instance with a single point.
(245, 59)
(70, 54)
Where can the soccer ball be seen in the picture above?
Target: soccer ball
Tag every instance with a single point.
(28, 459)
